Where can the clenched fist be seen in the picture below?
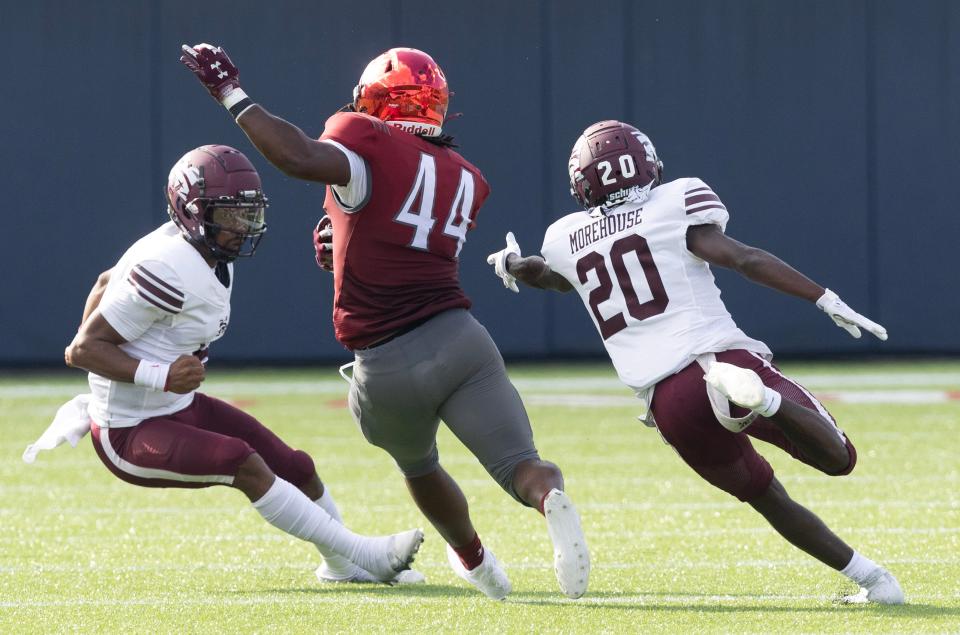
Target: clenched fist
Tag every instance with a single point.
(186, 374)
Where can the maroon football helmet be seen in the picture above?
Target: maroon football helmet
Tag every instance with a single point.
(214, 189)
(610, 161)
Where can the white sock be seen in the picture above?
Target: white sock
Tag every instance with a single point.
(771, 403)
(859, 568)
(326, 501)
(288, 509)
(337, 565)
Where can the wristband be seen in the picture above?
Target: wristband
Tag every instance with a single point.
(152, 375)
(237, 102)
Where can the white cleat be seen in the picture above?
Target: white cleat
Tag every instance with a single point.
(488, 576)
(389, 555)
(742, 386)
(356, 575)
(571, 559)
(880, 588)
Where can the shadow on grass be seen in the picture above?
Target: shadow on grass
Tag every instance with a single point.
(372, 589)
(627, 601)
(621, 601)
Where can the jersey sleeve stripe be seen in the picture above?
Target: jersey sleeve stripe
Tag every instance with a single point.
(703, 207)
(155, 303)
(700, 198)
(173, 290)
(154, 294)
(703, 189)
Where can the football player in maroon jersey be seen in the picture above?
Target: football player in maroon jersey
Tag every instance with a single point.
(400, 201)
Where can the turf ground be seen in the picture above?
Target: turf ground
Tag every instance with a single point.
(81, 551)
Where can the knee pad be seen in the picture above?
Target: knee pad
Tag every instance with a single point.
(227, 456)
(297, 468)
(852, 451)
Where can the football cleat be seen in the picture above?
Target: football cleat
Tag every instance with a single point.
(740, 385)
(571, 559)
(880, 588)
(488, 576)
(387, 556)
(744, 388)
(356, 575)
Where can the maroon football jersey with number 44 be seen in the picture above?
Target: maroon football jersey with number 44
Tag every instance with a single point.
(396, 255)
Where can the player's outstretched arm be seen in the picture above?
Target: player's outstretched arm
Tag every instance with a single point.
(709, 243)
(535, 272)
(283, 144)
(96, 348)
(509, 265)
(292, 151)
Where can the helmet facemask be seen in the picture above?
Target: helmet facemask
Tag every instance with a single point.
(242, 217)
(215, 197)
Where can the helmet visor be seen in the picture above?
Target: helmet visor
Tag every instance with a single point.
(235, 231)
(246, 220)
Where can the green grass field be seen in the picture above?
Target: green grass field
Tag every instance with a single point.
(81, 551)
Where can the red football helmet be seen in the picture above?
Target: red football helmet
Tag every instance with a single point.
(610, 162)
(405, 88)
(214, 189)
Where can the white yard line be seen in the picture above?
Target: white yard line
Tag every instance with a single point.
(562, 384)
(573, 392)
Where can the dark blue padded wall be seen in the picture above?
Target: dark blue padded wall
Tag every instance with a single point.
(916, 161)
(75, 154)
(829, 129)
(766, 102)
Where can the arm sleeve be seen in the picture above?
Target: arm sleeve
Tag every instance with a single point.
(703, 206)
(150, 291)
(549, 248)
(357, 136)
(354, 195)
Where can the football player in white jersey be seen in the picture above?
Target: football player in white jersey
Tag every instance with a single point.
(144, 337)
(640, 256)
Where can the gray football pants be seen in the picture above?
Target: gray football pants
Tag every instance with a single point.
(448, 368)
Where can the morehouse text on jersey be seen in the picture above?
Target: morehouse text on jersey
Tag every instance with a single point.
(602, 227)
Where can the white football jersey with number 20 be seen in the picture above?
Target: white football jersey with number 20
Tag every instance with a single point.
(655, 304)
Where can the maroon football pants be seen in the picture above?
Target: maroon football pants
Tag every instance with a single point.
(682, 411)
(199, 446)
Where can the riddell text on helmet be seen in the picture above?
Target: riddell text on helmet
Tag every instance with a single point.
(603, 227)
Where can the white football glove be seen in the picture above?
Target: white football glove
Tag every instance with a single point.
(499, 262)
(846, 318)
